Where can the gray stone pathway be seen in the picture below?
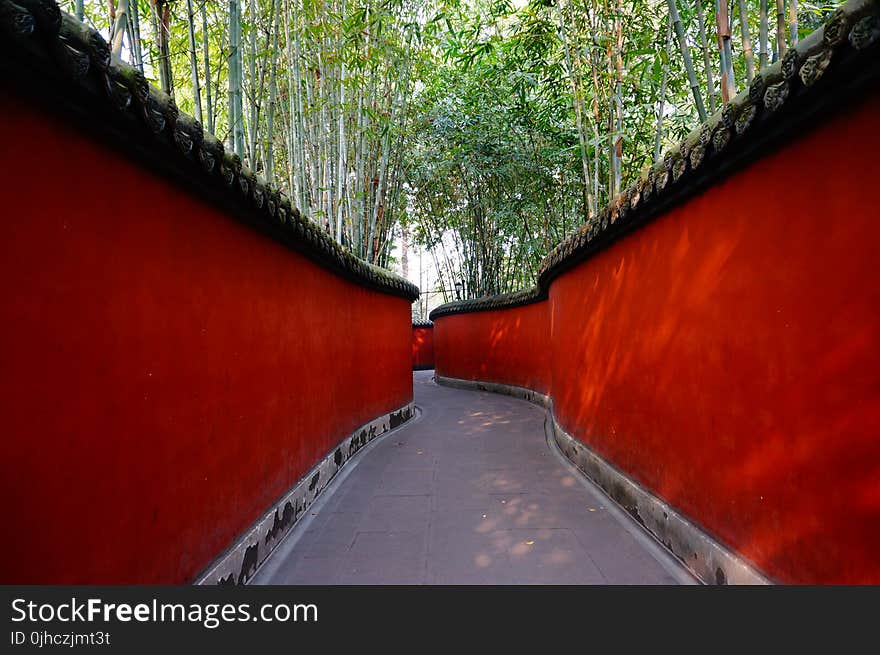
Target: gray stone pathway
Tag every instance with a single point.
(468, 493)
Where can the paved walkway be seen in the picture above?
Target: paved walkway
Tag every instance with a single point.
(468, 493)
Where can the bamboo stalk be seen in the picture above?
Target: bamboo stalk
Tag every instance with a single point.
(296, 115)
(252, 96)
(157, 62)
(342, 154)
(707, 60)
(780, 29)
(269, 157)
(207, 60)
(120, 27)
(686, 56)
(617, 145)
(165, 35)
(161, 13)
(292, 163)
(136, 36)
(658, 134)
(235, 105)
(764, 37)
(597, 91)
(585, 165)
(722, 20)
(746, 40)
(194, 68)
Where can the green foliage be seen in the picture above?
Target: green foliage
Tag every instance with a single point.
(490, 128)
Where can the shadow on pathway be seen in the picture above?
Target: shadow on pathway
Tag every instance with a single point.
(469, 493)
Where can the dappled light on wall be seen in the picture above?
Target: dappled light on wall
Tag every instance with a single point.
(726, 361)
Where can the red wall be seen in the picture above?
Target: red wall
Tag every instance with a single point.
(422, 347)
(730, 362)
(167, 372)
(509, 346)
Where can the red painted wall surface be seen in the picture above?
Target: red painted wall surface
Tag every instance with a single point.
(166, 372)
(422, 347)
(508, 345)
(727, 356)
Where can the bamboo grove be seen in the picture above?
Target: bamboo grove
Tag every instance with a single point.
(484, 130)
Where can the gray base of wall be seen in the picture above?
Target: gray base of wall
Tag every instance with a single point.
(496, 387)
(239, 563)
(708, 560)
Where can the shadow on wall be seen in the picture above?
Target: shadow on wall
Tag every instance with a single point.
(422, 347)
(726, 357)
(497, 346)
(742, 357)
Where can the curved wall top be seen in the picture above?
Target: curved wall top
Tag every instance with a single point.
(826, 71)
(70, 66)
